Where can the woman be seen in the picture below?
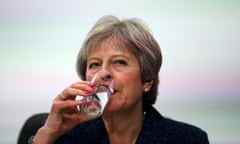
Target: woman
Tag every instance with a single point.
(132, 57)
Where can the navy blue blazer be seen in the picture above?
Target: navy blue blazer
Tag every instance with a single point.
(156, 130)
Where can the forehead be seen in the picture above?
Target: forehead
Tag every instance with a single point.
(112, 43)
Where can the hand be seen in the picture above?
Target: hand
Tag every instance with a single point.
(64, 114)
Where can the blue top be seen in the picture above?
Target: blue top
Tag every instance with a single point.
(156, 130)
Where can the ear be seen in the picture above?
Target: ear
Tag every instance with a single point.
(147, 85)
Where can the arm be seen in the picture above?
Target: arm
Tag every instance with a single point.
(63, 115)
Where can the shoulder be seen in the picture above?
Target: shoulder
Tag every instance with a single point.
(175, 131)
(184, 132)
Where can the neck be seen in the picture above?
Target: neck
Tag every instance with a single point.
(124, 127)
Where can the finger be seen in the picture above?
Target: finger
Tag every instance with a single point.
(76, 117)
(62, 96)
(59, 106)
(67, 110)
(84, 86)
(71, 93)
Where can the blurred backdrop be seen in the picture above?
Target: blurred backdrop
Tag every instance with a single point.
(200, 76)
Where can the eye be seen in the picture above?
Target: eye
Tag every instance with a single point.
(93, 65)
(120, 62)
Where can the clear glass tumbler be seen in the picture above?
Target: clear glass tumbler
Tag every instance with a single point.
(96, 101)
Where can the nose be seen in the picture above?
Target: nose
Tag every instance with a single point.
(105, 75)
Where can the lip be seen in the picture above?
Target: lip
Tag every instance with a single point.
(114, 92)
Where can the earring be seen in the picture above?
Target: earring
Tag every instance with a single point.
(146, 89)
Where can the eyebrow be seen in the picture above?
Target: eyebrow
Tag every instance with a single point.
(111, 57)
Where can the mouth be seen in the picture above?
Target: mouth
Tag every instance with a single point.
(114, 92)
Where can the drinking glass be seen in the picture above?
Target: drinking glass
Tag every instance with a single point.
(96, 101)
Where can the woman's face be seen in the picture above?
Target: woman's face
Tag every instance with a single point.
(125, 72)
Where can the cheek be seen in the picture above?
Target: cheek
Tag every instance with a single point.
(89, 75)
(132, 85)
(129, 91)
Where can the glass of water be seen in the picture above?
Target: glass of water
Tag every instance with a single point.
(96, 101)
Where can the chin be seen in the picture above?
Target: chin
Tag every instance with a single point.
(111, 107)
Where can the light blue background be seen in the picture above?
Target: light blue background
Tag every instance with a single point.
(200, 77)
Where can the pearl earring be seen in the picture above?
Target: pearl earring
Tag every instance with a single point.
(146, 89)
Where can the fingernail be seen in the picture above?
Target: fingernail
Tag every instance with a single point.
(92, 88)
(86, 92)
(82, 100)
